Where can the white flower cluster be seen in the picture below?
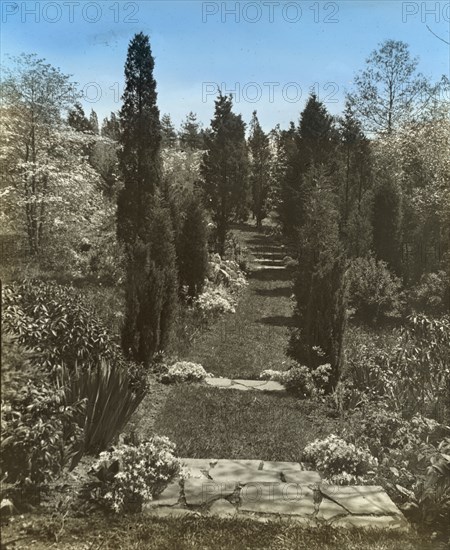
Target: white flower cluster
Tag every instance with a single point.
(340, 461)
(226, 273)
(224, 284)
(184, 371)
(215, 301)
(144, 471)
(300, 380)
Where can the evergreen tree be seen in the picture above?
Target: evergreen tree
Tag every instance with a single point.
(312, 143)
(193, 260)
(77, 119)
(191, 134)
(168, 133)
(319, 285)
(93, 122)
(317, 135)
(356, 192)
(387, 223)
(260, 162)
(225, 168)
(111, 127)
(143, 219)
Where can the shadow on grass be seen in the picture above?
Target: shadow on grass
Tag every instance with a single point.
(277, 292)
(271, 275)
(277, 321)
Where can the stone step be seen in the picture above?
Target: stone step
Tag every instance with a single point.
(245, 385)
(269, 261)
(267, 491)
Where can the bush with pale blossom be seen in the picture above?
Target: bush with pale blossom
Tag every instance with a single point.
(214, 301)
(184, 371)
(341, 462)
(132, 474)
(226, 273)
(300, 380)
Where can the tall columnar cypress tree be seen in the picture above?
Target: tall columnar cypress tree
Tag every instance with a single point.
(314, 139)
(259, 169)
(143, 220)
(319, 285)
(387, 222)
(193, 250)
(225, 168)
(356, 186)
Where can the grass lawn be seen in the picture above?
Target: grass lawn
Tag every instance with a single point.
(256, 336)
(207, 533)
(221, 423)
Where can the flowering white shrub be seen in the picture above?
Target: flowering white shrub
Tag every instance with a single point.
(226, 273)
(300, 380)
(214, 301)
(339, 461)
(133, 474)
(184, 371)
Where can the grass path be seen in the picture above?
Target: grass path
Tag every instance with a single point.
(256, 336)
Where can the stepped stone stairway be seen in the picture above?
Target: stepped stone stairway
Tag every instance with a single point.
(266, 491)
(268, 256)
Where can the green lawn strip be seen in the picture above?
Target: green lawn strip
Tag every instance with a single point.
(222, 423)
(255, 338)
(206, 533)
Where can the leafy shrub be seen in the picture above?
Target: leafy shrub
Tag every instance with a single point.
(76, 352)
(39, 432)
(132, 474)
(213, 302)
(410, 368)
(422, 368)
(301, 381)
(367, 360)
(106, 260)
(338, 460)
(434, 496)
(54, 321)
(375, 292)
(184, 371)
(432, 294)
(226, 273)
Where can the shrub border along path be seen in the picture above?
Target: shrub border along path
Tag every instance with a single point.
(272, 490)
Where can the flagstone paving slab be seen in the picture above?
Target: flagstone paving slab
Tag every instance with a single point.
(233, 464)
(218, 382)
(278, 500)
(250, 383)
(275, 490)
(281, 466)
(245, 385)
(305, 477)
(199, 463)
(198, 492)
(169, 497)
(271, 385)
(329, 510)
(361, 500)
(244, 475)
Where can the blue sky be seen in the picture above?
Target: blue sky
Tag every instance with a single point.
(274, 51)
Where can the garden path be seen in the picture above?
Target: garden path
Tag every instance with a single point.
(248, 342)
